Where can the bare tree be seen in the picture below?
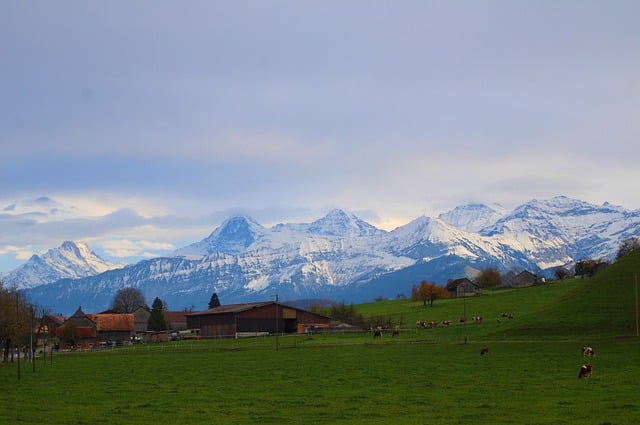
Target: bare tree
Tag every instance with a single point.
(627, 246)
(127, 300)
(489, 278)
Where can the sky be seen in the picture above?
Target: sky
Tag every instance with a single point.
(140, 126)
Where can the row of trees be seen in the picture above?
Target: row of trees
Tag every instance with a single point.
(17, 318)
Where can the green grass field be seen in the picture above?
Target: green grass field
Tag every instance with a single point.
(424, 376)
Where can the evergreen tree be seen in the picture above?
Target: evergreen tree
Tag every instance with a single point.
(214, 301)
(156, 319)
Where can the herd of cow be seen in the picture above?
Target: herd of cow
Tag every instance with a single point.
(585, 369)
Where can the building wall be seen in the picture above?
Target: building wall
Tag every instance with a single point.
(255, 320)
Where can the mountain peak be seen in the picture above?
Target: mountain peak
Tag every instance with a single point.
(233, 236)
(70, 260)
(472, 217)
(339, 223)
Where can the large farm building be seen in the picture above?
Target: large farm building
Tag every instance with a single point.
(254, 318)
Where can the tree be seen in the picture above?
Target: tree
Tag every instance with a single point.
(70, 334)
(127, 300)
(561, 273)
(14, 320)
(428, 292)
(156, 319)
(214, 301)
(589, 267)
(626, 246)
(489, 278)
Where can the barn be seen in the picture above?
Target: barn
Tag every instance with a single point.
(524, 279)
(270, 317)
(463, 287)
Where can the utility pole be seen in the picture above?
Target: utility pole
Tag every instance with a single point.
(277, 344)
(464, 302)
(17, 329)
(32, 352)
(637, 321)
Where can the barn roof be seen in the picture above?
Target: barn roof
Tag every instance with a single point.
(115, 322)
(175, 316)
(454, 283)
(239, 308)
(230, 308)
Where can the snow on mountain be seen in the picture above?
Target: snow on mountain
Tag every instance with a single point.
(234, 235)
(473, 217)
(71, 260)
(561, 230)
(340, 255)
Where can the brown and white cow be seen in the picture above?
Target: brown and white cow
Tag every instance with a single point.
(585, 370)
(477, 319)
(484, 351)
(588, 352)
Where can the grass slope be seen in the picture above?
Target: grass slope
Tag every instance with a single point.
(423, 376)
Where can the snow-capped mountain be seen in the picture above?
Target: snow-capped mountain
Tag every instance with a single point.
(473, 217)
(342, 257)
(70, 260)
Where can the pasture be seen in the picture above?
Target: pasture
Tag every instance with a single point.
(422, 376)
(330, 379)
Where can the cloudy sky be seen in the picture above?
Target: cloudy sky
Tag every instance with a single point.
(139, 126)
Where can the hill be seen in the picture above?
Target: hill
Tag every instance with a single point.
(601, 306)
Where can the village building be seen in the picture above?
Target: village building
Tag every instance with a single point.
(89, 331)
(462, 287)
(141, 319)
(260, 318)
(524, 279)
(176, 320)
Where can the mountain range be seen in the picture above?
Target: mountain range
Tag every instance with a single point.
(339, 256)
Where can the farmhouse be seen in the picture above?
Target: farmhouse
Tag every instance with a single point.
(462, 287)
(253, 319)
(86, 331)
(524, 279)
(78, 331)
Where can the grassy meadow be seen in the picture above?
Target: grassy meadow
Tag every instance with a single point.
(423, 376)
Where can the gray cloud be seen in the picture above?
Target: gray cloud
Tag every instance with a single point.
(287, 109)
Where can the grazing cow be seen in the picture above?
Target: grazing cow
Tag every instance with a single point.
(477, 319)
(433, 324)
(446, 322)
(421, 323)
(377, 333)
(588, 352)
(585, 370)
(396, 331)
(462, 320)
(484, 351)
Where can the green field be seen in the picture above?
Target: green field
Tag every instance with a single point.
(424, 376)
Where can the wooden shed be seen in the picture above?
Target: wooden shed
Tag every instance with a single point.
(234, 320)
(462, 287)
(524, 279)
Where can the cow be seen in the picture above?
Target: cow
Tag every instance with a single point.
(446, 322)
(377, 333)
(433, 324)
(585, 370)
(421, 323)
(396, 331)
(477, 319)
(484, 351)
(588, 352)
